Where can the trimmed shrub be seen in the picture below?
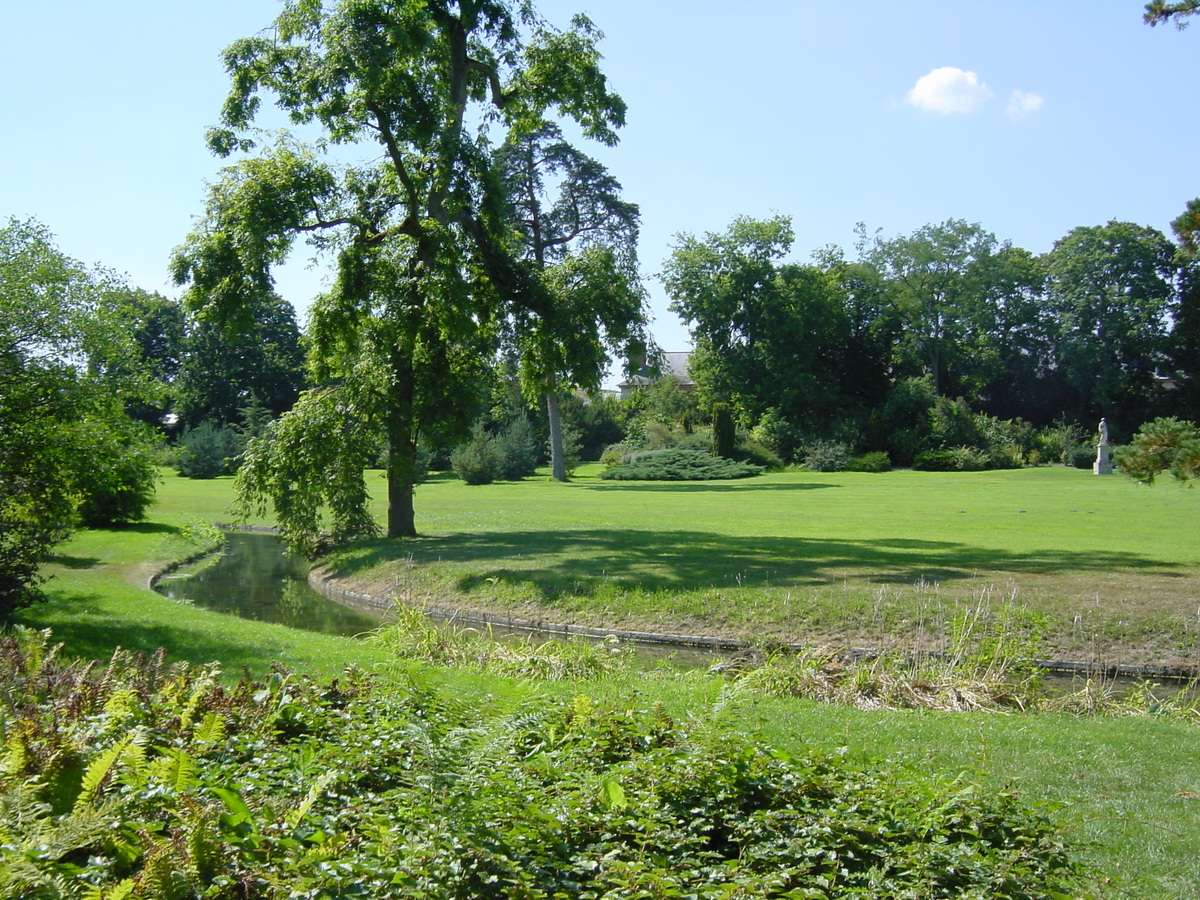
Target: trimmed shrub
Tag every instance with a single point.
(206, 451)
(1082, 456)
(518, 449)
(724, 434)
(876, 461)
(678, 465)
(827, 456)
(959, 459)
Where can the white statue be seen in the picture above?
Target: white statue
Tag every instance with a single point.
(1103, 464)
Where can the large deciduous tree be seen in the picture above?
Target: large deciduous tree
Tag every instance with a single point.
(227, 367)
(1112, 292)
(937, 285)
(767, 334)
(425, 269)
(581, 238)
(68, 453)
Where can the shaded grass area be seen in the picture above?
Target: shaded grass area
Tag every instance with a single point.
(1109, 569)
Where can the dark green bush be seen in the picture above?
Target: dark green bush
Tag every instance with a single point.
(678, 465)
(1082, 456)
(518, 449)
(752, 451)
(208, 450)
(479, 461)
(876, 461)
(120, 491)
(960, 459)
(724, 436)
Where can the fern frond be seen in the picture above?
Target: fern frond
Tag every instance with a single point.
(211, 730)
(100, 768)
(203, 687)
(175, 769)
(318, 788)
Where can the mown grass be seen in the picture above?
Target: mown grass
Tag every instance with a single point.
(1130, 787)
(1105, 568)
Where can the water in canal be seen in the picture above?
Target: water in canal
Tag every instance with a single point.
(254, 578)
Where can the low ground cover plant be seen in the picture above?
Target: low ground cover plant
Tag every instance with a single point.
(143, 779)
(676, 464)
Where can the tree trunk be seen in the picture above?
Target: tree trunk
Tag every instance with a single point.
(558, 464)
(402, 452)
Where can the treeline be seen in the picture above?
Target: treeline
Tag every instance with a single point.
(940, 338)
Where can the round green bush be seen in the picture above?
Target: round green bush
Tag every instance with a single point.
(876, 461)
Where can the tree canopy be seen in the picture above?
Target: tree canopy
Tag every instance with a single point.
(768, 334)
(426, 270)
(581, 238)
(68, 452)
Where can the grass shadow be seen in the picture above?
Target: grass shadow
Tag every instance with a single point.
(73, 562)
(142, 528)
(87, 632)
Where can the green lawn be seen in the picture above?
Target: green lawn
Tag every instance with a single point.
(1129, 788)
(1105, 568)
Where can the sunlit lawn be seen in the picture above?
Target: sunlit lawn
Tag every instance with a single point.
(1114, 567)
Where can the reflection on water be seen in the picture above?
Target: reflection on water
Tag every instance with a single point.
(256, 579)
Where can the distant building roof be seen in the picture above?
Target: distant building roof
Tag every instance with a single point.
(670, 365)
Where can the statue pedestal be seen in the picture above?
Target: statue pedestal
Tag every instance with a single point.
(1103, 464)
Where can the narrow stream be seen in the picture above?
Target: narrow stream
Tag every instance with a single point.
(255, 578)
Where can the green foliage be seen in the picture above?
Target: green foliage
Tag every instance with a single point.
(207, 451)
(428, 271)
(117, 473)
(229, 367)
(777, 434)
(677, 464)
(827, 456)
(956, 459)
(724, 433)
(1165, 444)
(415, 636)
(1158, 11)
(875, 461)
(518, 449)
(1058, 442)
(768, 334)
(509, 454)
(1112, 294)
(67, 449)
(139, 779)
(480, 460)
(309, 466)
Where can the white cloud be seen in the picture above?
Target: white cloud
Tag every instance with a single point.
(1023, 103)
(949, 91)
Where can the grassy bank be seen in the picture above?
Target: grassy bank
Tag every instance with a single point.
(1129, 788)
(1102, 568)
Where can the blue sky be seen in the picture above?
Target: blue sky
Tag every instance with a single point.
(1030, 118)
